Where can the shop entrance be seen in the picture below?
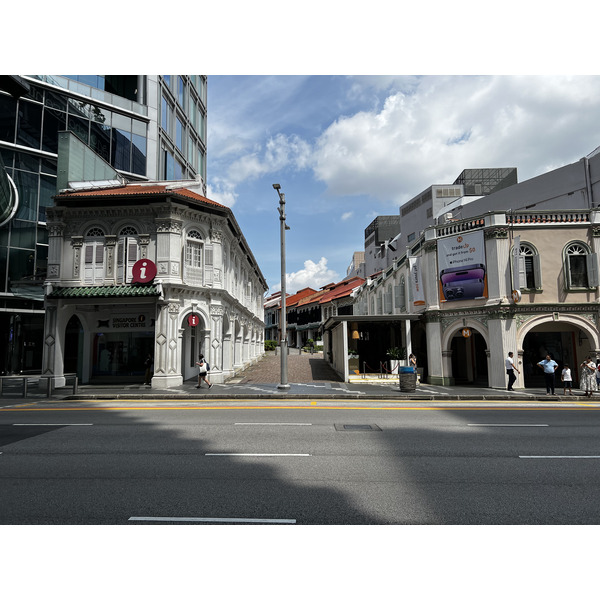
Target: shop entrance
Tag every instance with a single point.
(119, 356)
(469, 359)
(566, 343)
(74, 347)
(193, 346)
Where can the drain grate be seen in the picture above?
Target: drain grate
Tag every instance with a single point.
(360, 427)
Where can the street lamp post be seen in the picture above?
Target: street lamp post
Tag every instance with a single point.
(284, 347)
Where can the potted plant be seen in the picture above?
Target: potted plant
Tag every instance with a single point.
(396, 354)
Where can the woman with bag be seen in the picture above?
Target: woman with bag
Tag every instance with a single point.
(203, 369)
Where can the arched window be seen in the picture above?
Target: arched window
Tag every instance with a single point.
(581, 267)
(387, 300)
(530, 271)
(127, 253)
(401, 295)
(93, 271)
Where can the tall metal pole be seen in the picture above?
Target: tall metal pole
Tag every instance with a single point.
(284, 345)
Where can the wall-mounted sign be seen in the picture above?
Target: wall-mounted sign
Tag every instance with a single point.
(466, 332)
(143, 271)
(193, 320)
(516, 296)
(462, 270)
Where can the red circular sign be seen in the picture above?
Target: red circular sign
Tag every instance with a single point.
(143, 271)
(193, 320)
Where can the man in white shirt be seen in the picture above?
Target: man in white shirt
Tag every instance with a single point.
(510, 371)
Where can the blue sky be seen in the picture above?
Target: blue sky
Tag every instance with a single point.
(348, 148)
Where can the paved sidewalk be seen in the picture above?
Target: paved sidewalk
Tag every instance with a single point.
(308, 376)
(302, 368)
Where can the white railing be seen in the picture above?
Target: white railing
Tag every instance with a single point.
(567, 217)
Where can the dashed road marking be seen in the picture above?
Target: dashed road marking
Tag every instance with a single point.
(212, 520)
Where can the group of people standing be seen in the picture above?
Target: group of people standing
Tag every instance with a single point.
(589, 377)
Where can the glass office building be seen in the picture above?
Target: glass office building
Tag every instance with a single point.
(142, 127)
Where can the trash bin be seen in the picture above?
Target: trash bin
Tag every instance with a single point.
(408, 379)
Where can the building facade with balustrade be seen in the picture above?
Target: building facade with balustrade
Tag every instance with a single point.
(519, 273)
(104, 316)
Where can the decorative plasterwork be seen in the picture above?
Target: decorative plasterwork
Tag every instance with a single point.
(217, 311)
(216, 235)
(496, 233)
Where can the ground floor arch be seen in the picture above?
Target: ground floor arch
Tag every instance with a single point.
(568, 339)
(194, 341)
(466, 355)
(73, 347)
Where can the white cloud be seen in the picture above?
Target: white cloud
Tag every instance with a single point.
(346, 216)
(446, 124)
(280, 152)
(314, 275)
(221, 191)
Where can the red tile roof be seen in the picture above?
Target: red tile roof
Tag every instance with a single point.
(342, 289)
(292, 300)
(136, 189)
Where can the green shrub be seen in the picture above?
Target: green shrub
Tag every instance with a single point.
(270, 345)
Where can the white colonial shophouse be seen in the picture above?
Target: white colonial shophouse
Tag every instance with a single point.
(150, 268)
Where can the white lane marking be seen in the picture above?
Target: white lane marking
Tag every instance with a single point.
(272, 423)
(52, 424)
(249, 454)
(559, 456)
(508, 425)
(211, 520)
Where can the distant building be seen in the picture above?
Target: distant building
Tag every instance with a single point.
(357, 266)
(380, 243)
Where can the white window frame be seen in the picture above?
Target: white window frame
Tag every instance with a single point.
(94, 256)
(529, 254)
(579, 248)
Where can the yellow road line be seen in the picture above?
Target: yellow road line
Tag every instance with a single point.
(445, 408)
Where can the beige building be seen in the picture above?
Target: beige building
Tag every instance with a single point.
(520, 274)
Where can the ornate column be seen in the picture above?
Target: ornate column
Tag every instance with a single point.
(216, 345)
(167, 364)
(110, 241)
(77, 244)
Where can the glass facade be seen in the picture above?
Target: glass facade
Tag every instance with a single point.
(182, 130)
(109, 113)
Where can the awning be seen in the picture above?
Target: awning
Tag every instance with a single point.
(105, 291)
(367, 319)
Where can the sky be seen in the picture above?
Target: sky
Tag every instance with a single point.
(346, 149)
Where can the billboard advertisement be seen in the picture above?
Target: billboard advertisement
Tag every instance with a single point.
(462, 267)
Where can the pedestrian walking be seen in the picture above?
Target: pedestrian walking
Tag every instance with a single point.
(510, 371)
(548, 365)
(148, 365)
(203, 369)
(587, 379)
(567, 380)
(412, 361)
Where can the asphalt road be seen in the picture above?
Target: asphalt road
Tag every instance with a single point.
(306, 464)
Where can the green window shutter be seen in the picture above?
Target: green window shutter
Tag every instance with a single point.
(592, 269)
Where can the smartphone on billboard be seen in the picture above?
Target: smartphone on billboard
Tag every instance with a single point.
(463, 283)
